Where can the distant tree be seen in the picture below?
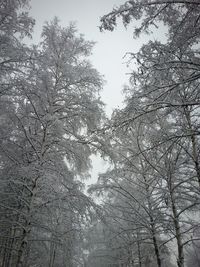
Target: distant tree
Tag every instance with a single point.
(136, 204)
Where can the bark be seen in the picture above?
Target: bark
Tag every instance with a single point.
(12, 243)
(4, 252)
(139, 252)
(22, 249)
(178, 235)
(194, 144)
(27, 229)
(153, 231)
(52, 254)
(156, 249)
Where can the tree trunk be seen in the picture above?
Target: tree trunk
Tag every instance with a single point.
(22, 251)
(52, 254)
(180, 260)
(27, 229)
(139, 251)
(153, 231)
(157, 253)
(194, 144)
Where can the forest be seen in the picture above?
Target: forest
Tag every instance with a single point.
(144, 210)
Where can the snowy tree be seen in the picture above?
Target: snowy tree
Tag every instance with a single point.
(168, 73)
(56, 106)
(162, 99)
(15, 25)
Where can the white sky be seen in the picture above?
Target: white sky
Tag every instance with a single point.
(109, 50)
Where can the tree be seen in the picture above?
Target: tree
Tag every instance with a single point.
(168, 74)
(56, 105)
(15, 25)
(163, 100)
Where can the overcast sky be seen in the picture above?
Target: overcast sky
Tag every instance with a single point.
(110, 47)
